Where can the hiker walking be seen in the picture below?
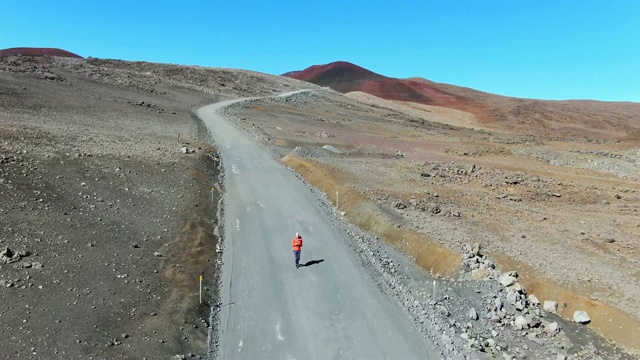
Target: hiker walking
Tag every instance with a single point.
(296, 244)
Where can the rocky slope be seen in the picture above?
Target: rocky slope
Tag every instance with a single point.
(426, 187)
(106, 178)
(106, 212)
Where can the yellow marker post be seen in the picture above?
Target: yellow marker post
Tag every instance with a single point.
(212, 191)
(200, 289)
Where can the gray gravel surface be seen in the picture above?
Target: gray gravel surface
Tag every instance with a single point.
(328, 308)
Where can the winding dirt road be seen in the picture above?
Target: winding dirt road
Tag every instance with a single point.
(328, 309)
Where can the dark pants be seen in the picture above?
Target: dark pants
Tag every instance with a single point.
(296, 253)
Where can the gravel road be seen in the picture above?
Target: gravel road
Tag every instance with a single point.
(329, 308)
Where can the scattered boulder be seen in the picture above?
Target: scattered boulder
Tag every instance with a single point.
(521, 322)
(513, 297)
(400, 205)
(114, 342)
(8, 256)
(581, 317)
(516, 287)
(6, 253)
(443, 311)
(476, 249)
(495, 318)
(473, 315)
(507, 280)
(431, 208)
(332, 149)
(321, 134)
(29, 265)
(498, 304)
(550, 306)
(552, 329)
(481, 273)
(533, 320)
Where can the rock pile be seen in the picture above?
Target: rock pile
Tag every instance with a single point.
(9, 256)
(510, 312)
(480, 267)
(527, 314)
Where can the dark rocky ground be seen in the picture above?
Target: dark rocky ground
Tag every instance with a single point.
(105, 223)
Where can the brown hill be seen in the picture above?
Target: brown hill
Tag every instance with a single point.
(346, 77)
(571, 118)
(38, 52)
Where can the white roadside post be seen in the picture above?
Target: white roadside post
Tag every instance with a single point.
(212, 190)
(337, 200)
(434, 290)
(200, 289)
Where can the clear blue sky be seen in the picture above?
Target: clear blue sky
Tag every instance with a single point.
(561, 49)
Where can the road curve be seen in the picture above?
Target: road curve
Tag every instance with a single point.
(271, 310)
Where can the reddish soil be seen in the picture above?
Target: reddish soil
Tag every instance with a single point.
(336, 72)
(571, 118)
(346, 77)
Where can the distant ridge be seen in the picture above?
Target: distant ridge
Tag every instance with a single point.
(346, 77)
(579, 118)
(38, 52)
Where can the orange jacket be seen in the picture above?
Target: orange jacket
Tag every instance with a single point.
(296, 243)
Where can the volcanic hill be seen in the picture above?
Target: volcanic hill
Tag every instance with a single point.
(569, 118)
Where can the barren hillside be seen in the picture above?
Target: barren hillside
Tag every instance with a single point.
(107, 218)
(106, 212)
(554, 119)
(562, 213)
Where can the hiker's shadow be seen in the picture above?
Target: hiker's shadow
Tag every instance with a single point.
(312, 262)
